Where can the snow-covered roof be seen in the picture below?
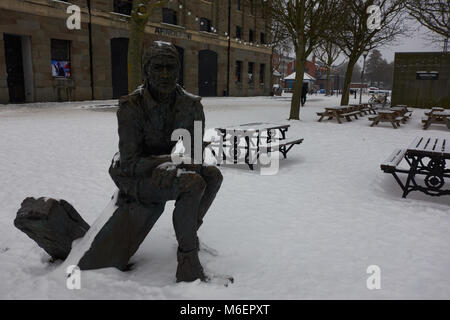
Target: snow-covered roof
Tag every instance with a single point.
(305, 77)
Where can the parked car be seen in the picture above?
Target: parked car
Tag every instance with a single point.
(373, 90)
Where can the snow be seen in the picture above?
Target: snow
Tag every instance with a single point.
(306, 76)
(310, 231)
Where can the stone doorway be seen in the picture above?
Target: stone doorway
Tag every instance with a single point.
(207, 73)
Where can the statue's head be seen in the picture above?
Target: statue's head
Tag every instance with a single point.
(161, 66)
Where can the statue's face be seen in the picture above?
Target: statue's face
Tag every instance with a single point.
(163, 73)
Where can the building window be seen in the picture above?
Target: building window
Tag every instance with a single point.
(238, 32)
(251, 35)
(205, 25)
(239, 5)
(262, 72)
(123, 6)
(169, 16)
(252, 8)
(263, 38)
(251, 67)
(60, 54)
(238, 77)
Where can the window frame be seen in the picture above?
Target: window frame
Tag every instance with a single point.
(238, 71)
(67, 56)
(251, 79)
(170, 13)
(208, 24)
(262, 73)
(238, 36)
(122, 6)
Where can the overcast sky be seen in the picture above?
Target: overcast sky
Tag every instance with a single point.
(416, 42)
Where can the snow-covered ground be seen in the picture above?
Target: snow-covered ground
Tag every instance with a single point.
(308, 232)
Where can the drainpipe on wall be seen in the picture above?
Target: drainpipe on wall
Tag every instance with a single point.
(229, 48)
(91, 68)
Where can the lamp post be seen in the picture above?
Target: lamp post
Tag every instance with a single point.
(365, 53)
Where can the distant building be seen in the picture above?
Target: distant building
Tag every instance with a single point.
(290, 80)
(310, 67)
(280, 65)
(42, 60)
(422, 79)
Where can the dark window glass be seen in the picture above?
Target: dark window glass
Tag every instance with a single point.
(60, 58)
(238, 77)
(263, 38)
(169, 16)
(239, 5)
(251, 36)
(251, 66)
(252, 8)
(238, 32)
(123, 6)
(262, 72)
(205, 25)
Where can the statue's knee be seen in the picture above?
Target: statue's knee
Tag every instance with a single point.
(192, 182)
(212, 175)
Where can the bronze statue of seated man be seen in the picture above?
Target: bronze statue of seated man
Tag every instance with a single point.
(146, 176)
(146, 119)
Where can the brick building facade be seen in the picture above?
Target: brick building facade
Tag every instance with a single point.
(42, 60)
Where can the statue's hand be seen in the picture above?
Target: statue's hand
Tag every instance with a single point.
(164, 175)
(197, 168)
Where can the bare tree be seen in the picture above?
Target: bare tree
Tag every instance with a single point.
(279, 39)
(432, 14)
(306, 22)
(327, 53)
(354, 37)
(140, 14)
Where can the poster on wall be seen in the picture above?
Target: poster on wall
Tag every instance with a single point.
(61, 69)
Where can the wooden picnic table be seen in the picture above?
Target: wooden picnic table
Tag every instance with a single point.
(386, 116)
(370, 107)
(402, 111)
(340, 112)
(425, 157)
(437, 117)
(248, 136)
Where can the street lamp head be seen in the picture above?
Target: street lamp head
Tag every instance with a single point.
(365, 53)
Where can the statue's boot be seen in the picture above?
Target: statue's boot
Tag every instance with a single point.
(189, 268)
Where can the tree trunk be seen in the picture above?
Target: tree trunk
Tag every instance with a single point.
(271, 72)
(297, 90)
(327, 84)
(347, 81)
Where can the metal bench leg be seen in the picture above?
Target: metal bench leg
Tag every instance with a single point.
(411, 175)
(399, 181)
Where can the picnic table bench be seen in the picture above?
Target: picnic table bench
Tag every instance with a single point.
(248, 137)
(386, 116)
(437, 116)
(340, 112)
(426, 157)
(403, 111)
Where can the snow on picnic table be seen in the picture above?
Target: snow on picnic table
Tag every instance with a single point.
(308, 232)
